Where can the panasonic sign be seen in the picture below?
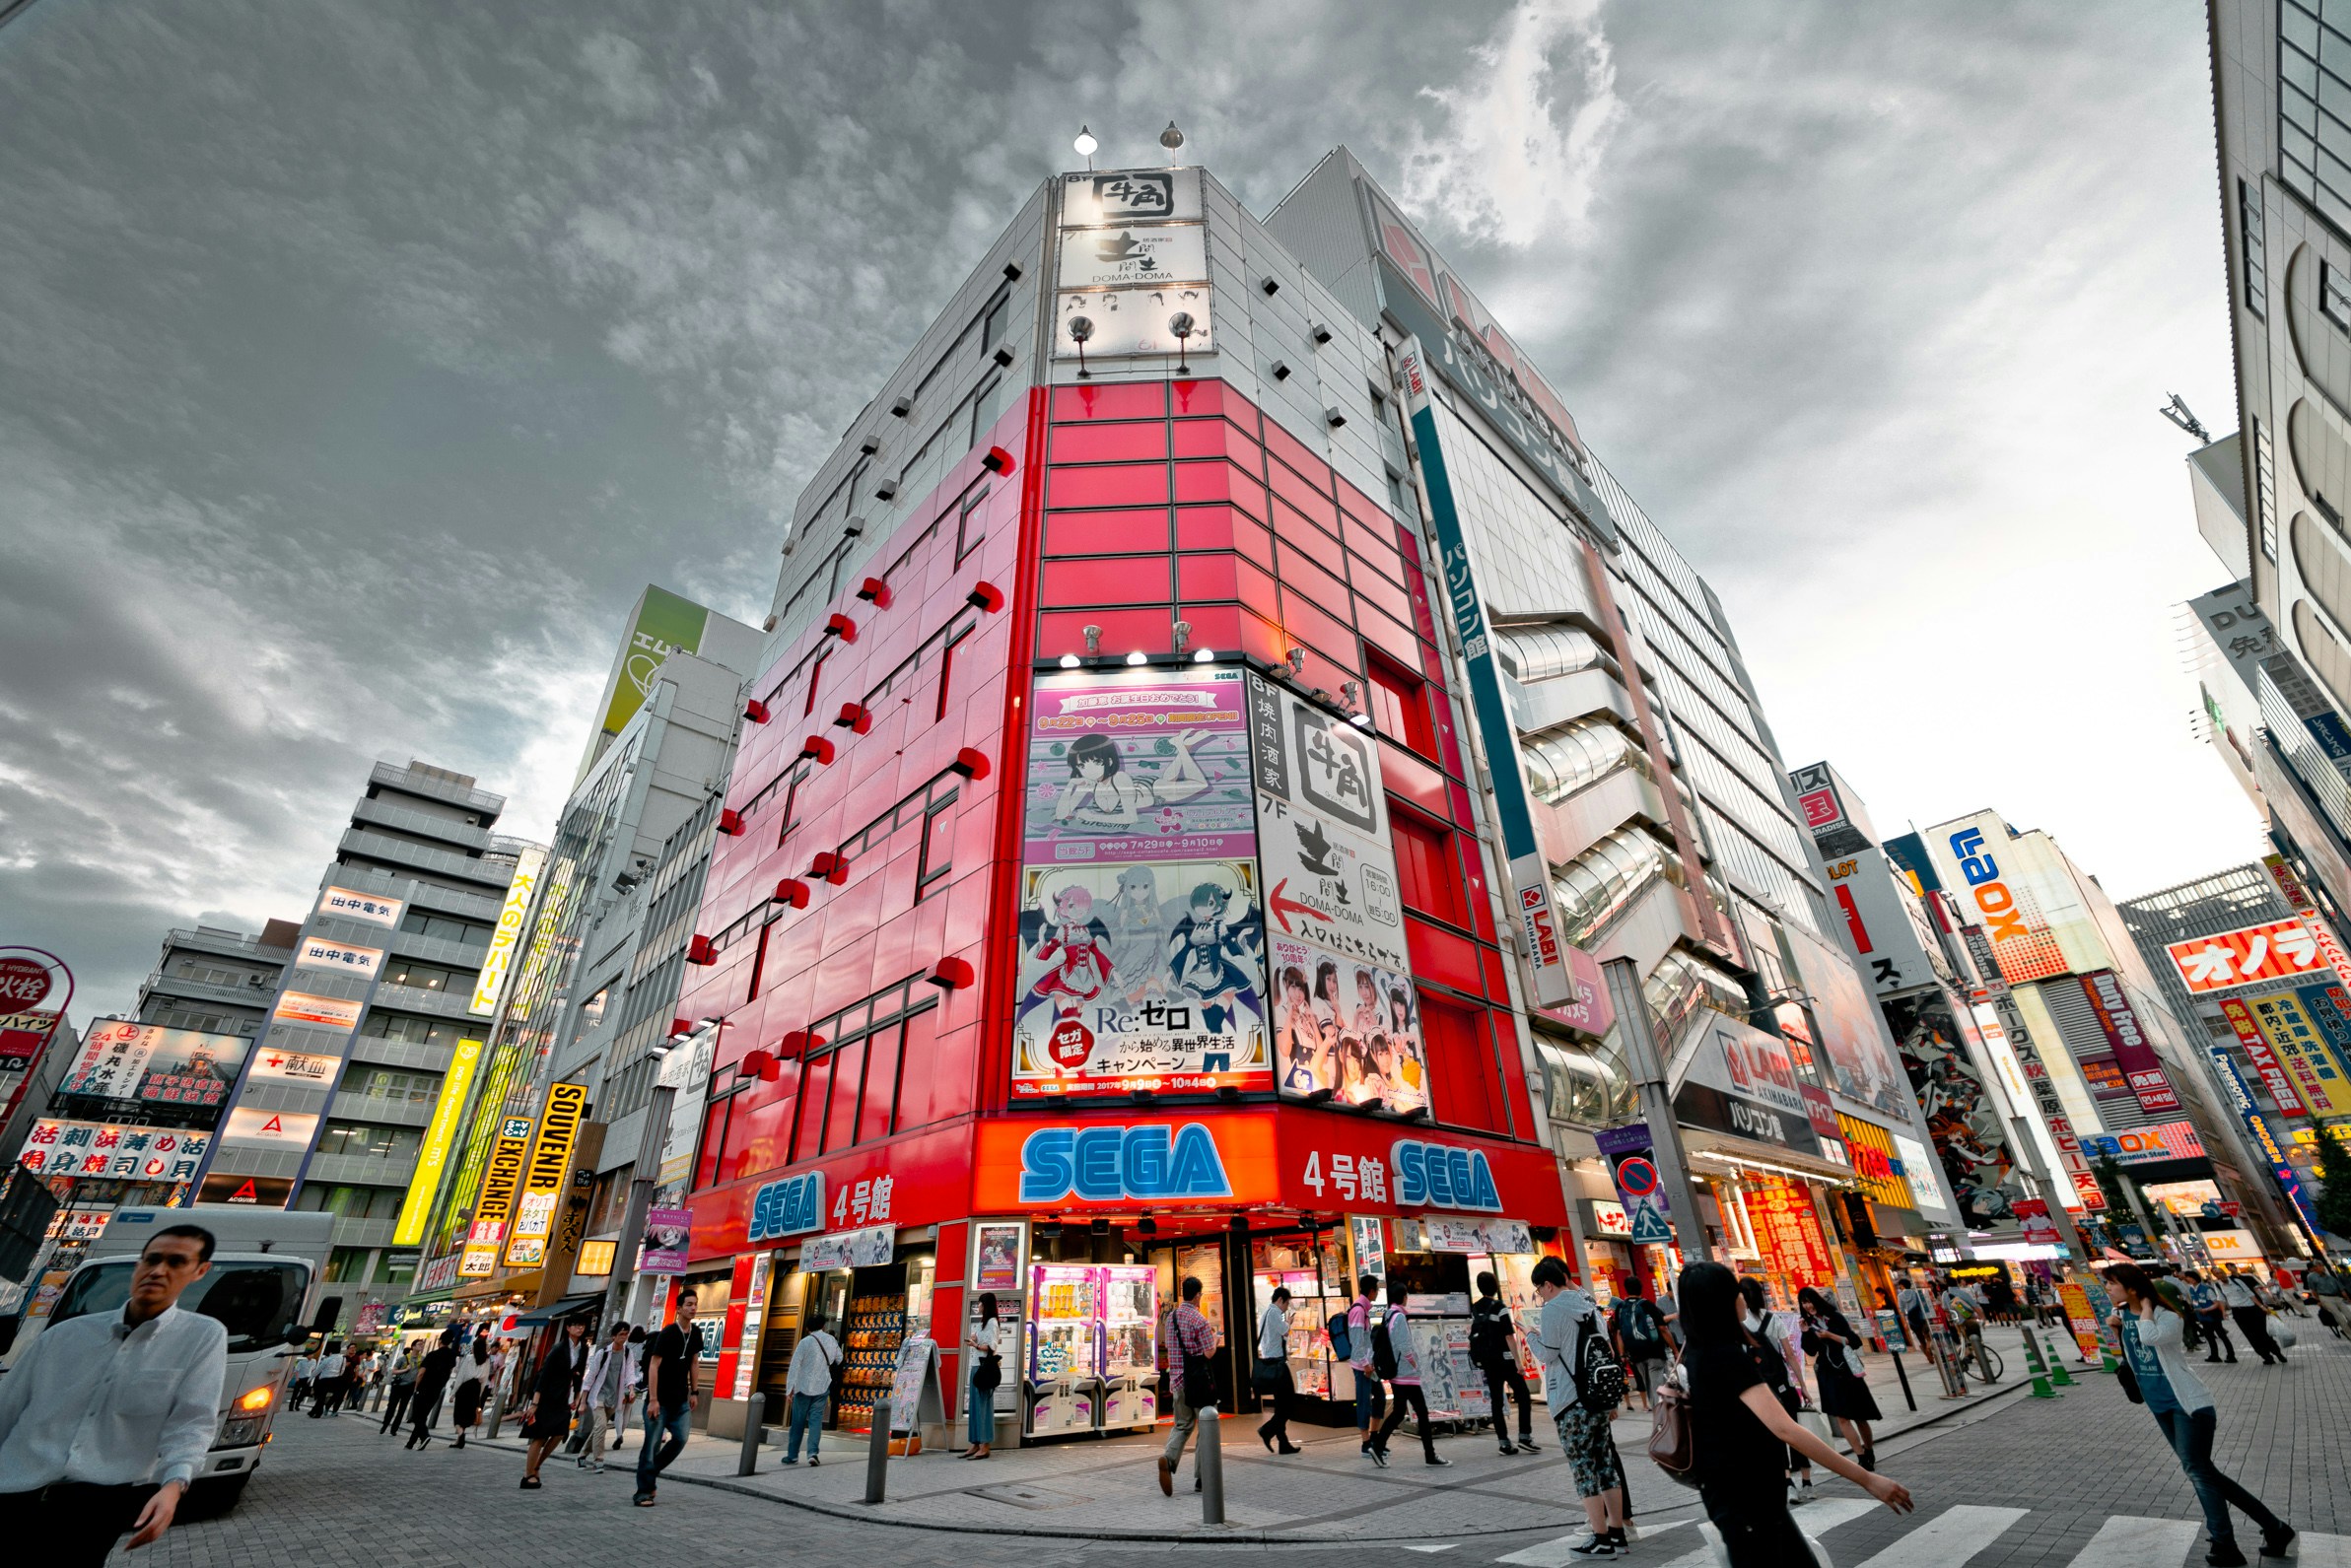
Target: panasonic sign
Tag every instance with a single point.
(1109, 1164)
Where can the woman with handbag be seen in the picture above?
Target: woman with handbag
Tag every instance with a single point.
(1272, 1376)
(2162, 1378)
(1741, 1432)
(1836, 1350)
(1774, 1338)
(986, 1371)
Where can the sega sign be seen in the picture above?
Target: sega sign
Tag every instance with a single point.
(1992, 899)
(1444, 1176)
(793, 1206)
(1108, 1164)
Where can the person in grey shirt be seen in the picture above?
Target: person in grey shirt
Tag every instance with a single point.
(104, 1419)
(1272, 1375)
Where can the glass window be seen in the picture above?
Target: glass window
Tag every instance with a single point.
(254, 1302)
(994, 321)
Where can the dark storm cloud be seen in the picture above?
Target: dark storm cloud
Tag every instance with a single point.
(359, 361)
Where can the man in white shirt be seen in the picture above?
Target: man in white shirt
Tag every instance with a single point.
(303, 1381)
(809, 1383)
(2236, 1291)
(104, 1419)
(327, 1392)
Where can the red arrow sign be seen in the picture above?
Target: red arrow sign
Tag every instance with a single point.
(1281, 907)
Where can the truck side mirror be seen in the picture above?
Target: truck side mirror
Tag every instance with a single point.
(330, 1310)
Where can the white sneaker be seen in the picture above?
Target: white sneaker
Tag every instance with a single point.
(1808, 1493)
(1794, 1497)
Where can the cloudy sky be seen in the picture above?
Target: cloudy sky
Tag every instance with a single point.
(361, 360)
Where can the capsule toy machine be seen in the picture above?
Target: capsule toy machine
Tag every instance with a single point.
(1065, 1348)
(1130, 1345)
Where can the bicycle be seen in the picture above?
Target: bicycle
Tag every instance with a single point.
(1980, 1360)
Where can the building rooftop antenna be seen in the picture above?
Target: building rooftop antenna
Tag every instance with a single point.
(2179, 413)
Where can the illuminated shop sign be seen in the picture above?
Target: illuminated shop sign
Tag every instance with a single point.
(1446, 1176)
(793, 1206)
(1105, 1164)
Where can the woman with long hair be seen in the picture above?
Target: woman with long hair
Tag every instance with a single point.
(473, 1373)
(1772, 1333)
(986, 1372)
(1299, 1033)
(1743, 1434)
(2157, 1355)
(1834, 1349)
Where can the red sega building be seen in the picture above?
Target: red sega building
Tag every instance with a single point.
(863, 1148)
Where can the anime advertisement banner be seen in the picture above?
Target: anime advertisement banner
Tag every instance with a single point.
(1138, 764)
(1345, 1029)
(1322, 830)
(1141, 974)
(1962, 1111)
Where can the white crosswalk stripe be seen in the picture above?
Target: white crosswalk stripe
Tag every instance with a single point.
(1950, 1538)
(2126, 1542)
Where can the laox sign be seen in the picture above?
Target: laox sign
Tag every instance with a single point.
(1992, 899)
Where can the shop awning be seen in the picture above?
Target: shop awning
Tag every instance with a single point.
(553, 1312)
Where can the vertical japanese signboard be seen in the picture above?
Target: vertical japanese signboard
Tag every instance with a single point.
(489, 986)
(1143, 951)
(1538, 915)
(502, 1178)
(544, 1173)
(1347, 1018)
(417, 1206)
(35, 988)
(2141, 1069)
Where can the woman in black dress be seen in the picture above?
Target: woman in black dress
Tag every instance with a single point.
(558, 1386)
(1767, 1329)
(1742, 1433)
(1834, 1349)
(473, 1378)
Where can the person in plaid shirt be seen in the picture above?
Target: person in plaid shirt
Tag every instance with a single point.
(1193, 1335)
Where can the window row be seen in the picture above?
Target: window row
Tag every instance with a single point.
(445, 927)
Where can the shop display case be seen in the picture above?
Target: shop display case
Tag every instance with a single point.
(1065, 1348)
(1130, 1345)
(869, 1340)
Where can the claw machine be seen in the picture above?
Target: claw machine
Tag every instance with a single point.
(1063, 1375)
(1130, 1347)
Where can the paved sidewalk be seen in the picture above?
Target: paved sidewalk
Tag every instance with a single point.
(1108, 1489)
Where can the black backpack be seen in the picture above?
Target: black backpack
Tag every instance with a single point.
(1383, 1349)
(1599, 1376)
(1637, 1322)
(1489, 1339)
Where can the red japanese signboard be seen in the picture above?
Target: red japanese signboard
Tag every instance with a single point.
(2276, 950)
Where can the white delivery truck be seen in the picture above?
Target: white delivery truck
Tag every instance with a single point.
(269, 1266)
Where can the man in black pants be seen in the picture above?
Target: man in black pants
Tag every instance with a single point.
(1492, 1351)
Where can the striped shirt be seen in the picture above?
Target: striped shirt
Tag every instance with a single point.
(1192, 1336)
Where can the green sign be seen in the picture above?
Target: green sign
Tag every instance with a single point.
(666, 625)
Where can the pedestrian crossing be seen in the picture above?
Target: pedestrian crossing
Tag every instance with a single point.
(1952, 1538)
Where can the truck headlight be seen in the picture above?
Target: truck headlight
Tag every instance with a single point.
(258, 1398)
(238, 1431)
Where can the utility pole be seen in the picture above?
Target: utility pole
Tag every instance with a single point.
(1647, 1060)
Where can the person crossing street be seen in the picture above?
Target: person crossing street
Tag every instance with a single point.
(2250, 1315)
(1494, 1350)
(808, 1384)
(1574, 1346)
(600, 1387)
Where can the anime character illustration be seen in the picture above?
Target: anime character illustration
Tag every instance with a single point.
(1206, 950)
(1137, 931)
(1961, 1120)
(1104, 796)
(1076, 965)
(1404, 1035)
(1366, 1017)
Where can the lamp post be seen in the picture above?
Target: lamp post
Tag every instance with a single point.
(1647, 1061)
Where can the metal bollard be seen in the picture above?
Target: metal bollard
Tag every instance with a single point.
(496, 1412)
(1211, 1466)
(877, 1454)
(754, 1432)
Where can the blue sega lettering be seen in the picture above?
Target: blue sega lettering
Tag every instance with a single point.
(1444, 1176)
(790, 1208)
(1104, 1164)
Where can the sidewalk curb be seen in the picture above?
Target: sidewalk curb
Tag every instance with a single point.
(1253, 1535)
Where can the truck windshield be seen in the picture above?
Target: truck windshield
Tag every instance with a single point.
(255, 1302)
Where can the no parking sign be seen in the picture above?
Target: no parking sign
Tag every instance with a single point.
(1638, 1187)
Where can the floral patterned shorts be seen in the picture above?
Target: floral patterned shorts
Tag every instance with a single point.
(1591, 1452)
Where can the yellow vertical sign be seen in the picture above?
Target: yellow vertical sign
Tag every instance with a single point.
(544, 1173)
(2287, 1026)
(440, 1133)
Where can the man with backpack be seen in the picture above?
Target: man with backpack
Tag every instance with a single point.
(1397, 1359)
(1584, 1384)
(1491, 1329)
(1640, 1331)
